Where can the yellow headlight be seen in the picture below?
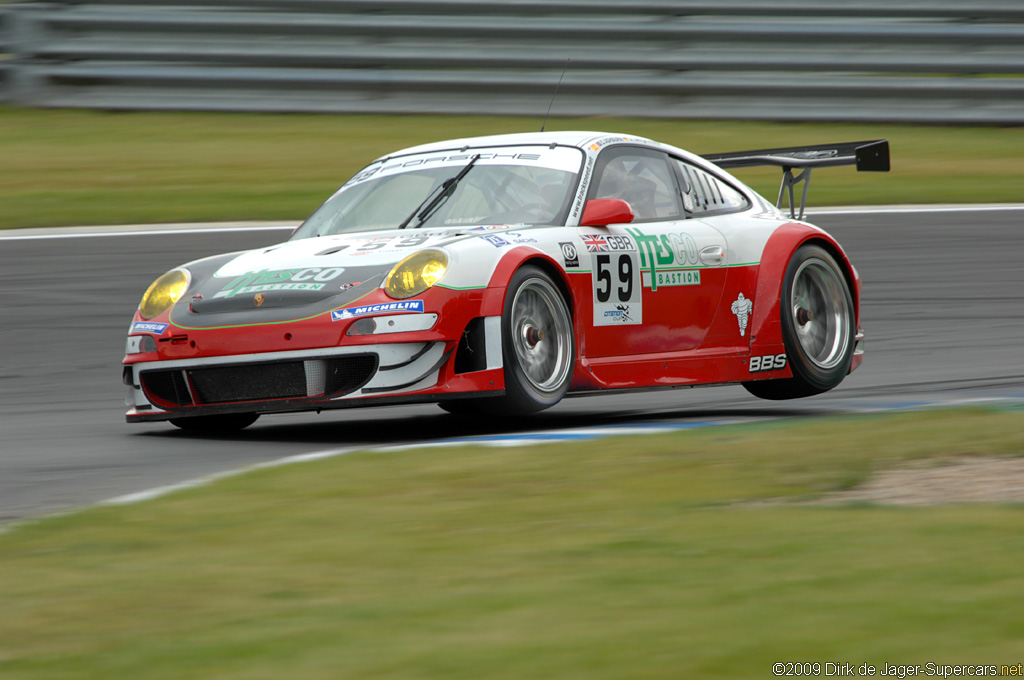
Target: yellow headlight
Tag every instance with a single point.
(164, 292)
(415, 274)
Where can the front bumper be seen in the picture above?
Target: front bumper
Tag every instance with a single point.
(358, 356)
(337, 377)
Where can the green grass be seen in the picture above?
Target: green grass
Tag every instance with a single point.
(642, 558)
(70, 167)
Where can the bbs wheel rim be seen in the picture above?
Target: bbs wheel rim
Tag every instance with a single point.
(821, 313)
(541, 333)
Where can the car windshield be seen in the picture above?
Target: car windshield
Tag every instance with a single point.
(507, 185)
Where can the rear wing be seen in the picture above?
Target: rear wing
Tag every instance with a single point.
(867, 156)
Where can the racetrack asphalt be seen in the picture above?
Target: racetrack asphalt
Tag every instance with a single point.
(942, 310)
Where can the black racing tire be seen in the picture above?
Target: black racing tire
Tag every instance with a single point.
(538, 345)
(221, 424)
(818, 327)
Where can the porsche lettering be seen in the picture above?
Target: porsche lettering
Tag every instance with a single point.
(456, 158)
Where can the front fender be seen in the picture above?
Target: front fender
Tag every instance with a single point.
(494, 297)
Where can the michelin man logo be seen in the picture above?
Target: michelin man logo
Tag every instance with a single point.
(741, 308)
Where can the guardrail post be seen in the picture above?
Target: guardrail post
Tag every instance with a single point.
(24, 84)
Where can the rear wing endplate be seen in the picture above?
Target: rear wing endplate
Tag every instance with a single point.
(867, 156)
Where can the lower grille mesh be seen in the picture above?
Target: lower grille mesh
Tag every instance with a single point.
(330, 377)
(248, 382)
(349, 373)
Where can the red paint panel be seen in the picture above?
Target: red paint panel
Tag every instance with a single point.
(764, 322)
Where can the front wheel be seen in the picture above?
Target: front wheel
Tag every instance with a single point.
(818, 325)
(537, 343)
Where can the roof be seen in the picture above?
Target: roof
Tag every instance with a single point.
(576, 138)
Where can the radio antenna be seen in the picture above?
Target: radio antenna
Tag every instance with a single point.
(542, 125)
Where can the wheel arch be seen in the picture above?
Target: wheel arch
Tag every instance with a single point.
(519, 258)
(781, 246)
(557, 275)
(525, 391)
(845, 266)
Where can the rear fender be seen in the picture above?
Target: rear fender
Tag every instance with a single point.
(765, 326)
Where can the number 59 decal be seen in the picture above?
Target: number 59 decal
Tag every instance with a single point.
(617, 288)
(623, 286)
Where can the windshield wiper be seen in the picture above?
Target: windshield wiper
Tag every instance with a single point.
(425, 209)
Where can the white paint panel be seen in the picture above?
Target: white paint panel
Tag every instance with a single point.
(492, 342)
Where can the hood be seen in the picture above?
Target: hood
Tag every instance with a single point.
(297, 279)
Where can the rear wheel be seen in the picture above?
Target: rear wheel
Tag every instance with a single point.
(818, 325)
(231, 422)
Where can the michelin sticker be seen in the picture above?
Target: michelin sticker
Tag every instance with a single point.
(742, 309)
(147, 327)
(415, 306)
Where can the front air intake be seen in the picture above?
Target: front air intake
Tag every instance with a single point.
(311, 378)
(247, 382)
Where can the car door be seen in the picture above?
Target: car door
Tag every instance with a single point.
(657, 281)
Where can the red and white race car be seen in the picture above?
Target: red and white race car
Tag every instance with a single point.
(499, 274)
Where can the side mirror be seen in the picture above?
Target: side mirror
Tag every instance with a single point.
(601, 211)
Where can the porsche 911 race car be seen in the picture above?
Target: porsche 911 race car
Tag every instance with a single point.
(500, 274)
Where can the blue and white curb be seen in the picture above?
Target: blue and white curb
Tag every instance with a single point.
(498, 441)
(558, 436)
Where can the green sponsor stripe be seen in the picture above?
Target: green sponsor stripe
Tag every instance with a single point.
(442, 285)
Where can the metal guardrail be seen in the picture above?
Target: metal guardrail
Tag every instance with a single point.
(5, 49)
(999, 10)
(860, 60)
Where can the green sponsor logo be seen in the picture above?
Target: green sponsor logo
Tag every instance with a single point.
(678, 277)
(309, 278)
(664, 250)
